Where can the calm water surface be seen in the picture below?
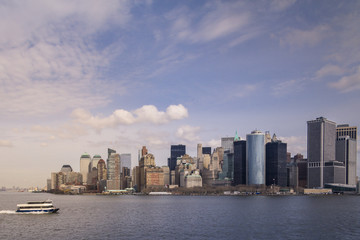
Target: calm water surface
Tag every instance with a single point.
(183, 217)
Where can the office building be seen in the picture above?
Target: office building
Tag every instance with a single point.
(276, 158)
(321, 140)
(94, 161)
(240, 162)
(114, 172)
(346, 152)
(206, 150)
(227, 143)
(255, 158)
(85, 160)
(175, 152)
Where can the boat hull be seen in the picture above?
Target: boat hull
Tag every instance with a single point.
(38, 210)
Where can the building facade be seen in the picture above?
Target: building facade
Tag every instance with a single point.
(240, 162)
(321, 137)
(175, 152)
(276, 158)
(255, 158)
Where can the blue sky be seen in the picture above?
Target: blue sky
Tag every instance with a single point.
(82, 76)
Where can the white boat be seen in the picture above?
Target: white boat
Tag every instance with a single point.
(37, 207)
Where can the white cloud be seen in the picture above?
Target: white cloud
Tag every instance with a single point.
(214, 143)
(147, 113)
(6, 143)
(295, 144)
(188, 133)
(348, 83)
(300, 38)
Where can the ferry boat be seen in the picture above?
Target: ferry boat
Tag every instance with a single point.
(37, 207)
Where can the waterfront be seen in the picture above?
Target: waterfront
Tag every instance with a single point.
(183, 217)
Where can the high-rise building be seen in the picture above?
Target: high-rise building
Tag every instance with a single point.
(346, 150)
(101, 168)
(227, 143)
(240, 162)
(114, 172)
(206, 150)
(94, 161)
(346, 130)
(276, 158)
(85, 166)
(321, 146)
(255, 158)
(175, 152)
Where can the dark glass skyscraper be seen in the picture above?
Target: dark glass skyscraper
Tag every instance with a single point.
(206, 150)
(239, 162)
(175, 152)
(276, 172)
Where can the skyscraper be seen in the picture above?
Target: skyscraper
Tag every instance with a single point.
(346, 150)
(321, 136)
(239, 162)
(175, 152)
(114, 172)
(255, 157)
(227, 143)
(276, 172)
(84, 167)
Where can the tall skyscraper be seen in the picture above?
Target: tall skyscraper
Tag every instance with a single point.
(94, 161)
(175, 152)
(240, 162)
(255, 157)
(85, 160)
(276, 172)
(206, 150)
(227, 143)
(114, 172)
(321, 137)
(346, 150)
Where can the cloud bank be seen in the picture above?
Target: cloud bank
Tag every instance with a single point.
(145, 114)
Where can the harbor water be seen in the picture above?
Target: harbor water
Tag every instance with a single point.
(182, 217)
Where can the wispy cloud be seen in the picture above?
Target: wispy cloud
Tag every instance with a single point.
(329, 70)
(45, 62)
(299, 38)
(219, 20)
(348, 83)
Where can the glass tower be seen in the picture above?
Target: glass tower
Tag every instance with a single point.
(255, 157)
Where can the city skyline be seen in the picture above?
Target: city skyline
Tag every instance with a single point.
(86, 76)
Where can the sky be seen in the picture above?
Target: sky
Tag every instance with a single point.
(84, 76)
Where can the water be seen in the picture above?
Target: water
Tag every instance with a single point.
(183, 217)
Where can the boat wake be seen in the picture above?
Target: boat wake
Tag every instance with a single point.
(14, 212)
(7, 212)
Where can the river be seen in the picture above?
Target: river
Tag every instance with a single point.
(183, 217)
